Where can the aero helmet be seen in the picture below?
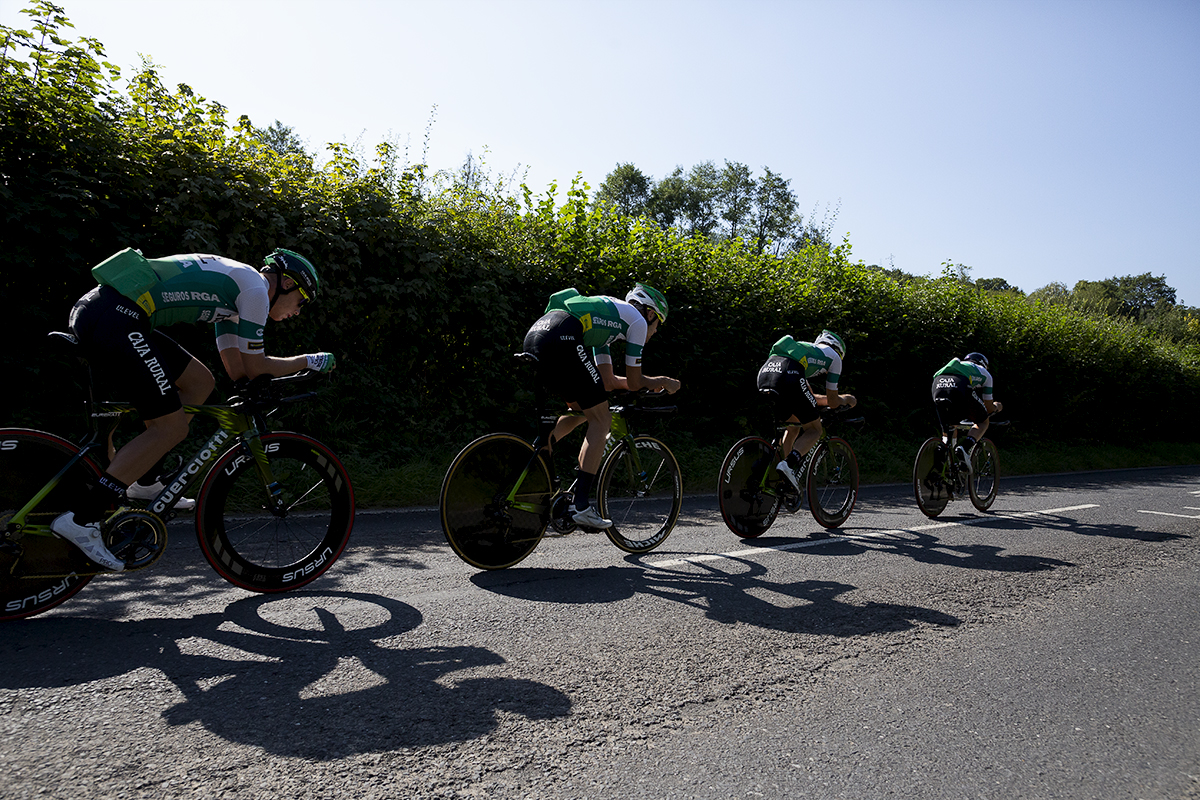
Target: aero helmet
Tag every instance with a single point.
(976, 358)
(651, 298)
(296, 267)
(833, 340)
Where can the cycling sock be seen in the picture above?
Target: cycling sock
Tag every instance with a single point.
(157, 473)
(583, 489)
(106, 492)
(969, 441)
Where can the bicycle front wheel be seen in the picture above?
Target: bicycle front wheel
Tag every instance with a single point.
(47, 570)
(482, 525)
(641, 491)
(257, 548)
(748, 506)
(985, 475)
(929, 483)
(832, 482)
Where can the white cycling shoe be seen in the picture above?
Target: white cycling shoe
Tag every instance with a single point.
(137, 491)
(86, 538)
(590, 518)
(786, 470)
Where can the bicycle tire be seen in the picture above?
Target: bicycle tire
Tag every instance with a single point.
(985, 475)
(832, 483)
(748, 511)
(478, 523)
(643, 506)
(252, 547)
(28, 460)
(929, 485)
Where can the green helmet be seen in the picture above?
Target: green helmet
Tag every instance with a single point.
(296, 267)
(649, 297)
(833, 340)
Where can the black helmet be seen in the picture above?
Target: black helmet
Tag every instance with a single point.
(296, 267)
(977, 358)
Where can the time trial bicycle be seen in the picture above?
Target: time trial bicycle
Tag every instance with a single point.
(274, 509)
(750, 491)
(501, 492)
(941, 475)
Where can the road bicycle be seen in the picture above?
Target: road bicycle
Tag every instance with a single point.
(750, 491)
(274, 510)
(501, 492)
(940, 474)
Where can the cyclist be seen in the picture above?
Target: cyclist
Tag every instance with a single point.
(117, 324)
(789, 367)
(571, 343)
(967, 384)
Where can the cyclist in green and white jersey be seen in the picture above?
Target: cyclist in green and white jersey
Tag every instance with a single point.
(789, 367)
(963, 390)
(571, 343)
(117, 325)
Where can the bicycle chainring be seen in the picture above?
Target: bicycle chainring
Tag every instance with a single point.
(136, 536)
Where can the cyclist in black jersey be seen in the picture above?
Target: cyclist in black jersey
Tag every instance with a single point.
(571, 342)
(116, 325)
(963, 390)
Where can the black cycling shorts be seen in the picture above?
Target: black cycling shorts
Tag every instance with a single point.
(566, 367)
(958, 401)
(129, 360)
(795, 397)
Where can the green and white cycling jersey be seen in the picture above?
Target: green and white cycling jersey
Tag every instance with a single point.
(206, 288)
(978, 378)
(605, 320)
(814, 359)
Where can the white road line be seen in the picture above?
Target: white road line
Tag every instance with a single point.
(817, 542)
(1168, 514)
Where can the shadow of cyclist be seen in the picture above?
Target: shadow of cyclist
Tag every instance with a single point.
(728, 590)
(311, 674)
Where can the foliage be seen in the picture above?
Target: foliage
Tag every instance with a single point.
(431, 280)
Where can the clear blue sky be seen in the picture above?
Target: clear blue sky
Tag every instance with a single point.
(1053, 140)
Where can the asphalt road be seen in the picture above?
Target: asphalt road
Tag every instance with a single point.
(1045, 650)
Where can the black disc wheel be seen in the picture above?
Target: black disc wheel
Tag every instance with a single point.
(495, 501)
(747, 487)
(929, 478)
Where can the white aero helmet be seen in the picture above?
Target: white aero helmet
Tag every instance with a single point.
(649, 297)
(833, 340)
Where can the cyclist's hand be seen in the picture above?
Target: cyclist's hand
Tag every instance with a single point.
(848, 400)
(671, 385)
(998, 406)
(321, 362)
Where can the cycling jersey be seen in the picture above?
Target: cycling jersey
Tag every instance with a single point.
(978, 378)
(605, 320)
(206, 288)
(814, 359)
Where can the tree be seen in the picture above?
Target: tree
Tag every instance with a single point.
(735, 196)
(626, 189)
(1053, 293)
(282, 139)
(774, 217)
(996, 285)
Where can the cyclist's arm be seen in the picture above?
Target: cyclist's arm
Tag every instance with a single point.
(250, 365)
(635, 380)
(835, 400)
(993, 406)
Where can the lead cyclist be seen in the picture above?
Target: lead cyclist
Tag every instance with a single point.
(117, 324)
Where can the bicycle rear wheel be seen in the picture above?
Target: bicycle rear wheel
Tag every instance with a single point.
(252, 546)
(747, 506)
(48, 570)
(985, 475)
(641, 492)
(929, 482)
(481, 525)
(832, 482)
